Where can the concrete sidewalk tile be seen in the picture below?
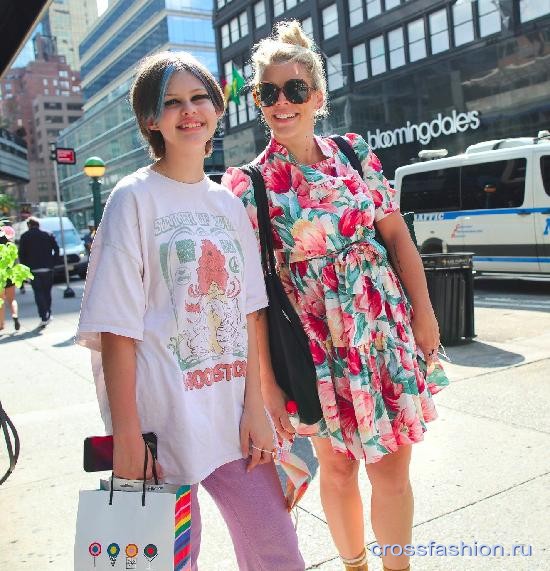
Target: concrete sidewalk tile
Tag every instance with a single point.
(466, 458)
(514, 396)
(38, 523)
(518, 516)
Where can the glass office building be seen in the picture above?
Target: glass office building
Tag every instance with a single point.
(128, 31)
(405, 74)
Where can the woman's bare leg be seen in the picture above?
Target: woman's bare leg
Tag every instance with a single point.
(341, 498)
(392, 503)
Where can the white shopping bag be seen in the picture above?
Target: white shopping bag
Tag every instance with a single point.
(127, 534)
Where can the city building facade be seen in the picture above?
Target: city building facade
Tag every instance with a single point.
(36, 102)
(405, 74)
(14, 166)
(68, 21)
(124, 34)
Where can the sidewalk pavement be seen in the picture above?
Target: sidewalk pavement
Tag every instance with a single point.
(482, 474)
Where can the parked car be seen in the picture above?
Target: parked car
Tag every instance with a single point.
(77, 258)
(493, 200)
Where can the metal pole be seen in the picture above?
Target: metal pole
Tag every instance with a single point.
(68, 291)
(96, 188)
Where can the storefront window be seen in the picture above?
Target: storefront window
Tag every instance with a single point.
(439, 31)
(330, 21)
(355, 12)
(396, 47)
(431, 191)
(498, 184)
(531, 9)
(374, 7)
(359, 55)
(463, 24)
(417, 40)
(489, 17)
(377, 55)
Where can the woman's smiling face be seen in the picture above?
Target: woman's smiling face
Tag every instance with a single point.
(290, 121)
(188, 117)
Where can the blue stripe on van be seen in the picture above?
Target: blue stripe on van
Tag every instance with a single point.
(456, 213)
(545, 260)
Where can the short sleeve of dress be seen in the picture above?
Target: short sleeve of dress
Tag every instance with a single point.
(241, 186)
(256, 297)
(383, 194)
(114, 296)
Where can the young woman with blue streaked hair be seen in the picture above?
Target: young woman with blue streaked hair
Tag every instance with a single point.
(169, 310)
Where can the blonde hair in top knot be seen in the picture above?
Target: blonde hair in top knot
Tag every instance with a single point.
(289, 43)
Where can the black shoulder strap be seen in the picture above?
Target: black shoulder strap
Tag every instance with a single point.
(348, 151)
(264, 221)
(13, 451)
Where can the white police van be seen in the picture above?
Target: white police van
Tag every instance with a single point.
(493, 200)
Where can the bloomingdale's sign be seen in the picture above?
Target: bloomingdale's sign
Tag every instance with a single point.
(425, 132)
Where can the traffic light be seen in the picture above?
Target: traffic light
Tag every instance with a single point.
(53, 152)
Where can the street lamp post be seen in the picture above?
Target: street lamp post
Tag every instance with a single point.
(94, 167)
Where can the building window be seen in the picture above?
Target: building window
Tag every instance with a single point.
(259, 14)
(374, 7)
(291, 3)
(377, 55)
(417, 40)
(307, 26)
(489, 17)
(335, 76)
(389, 4)
(330, 21)
(359, 56)
(396, 48)
(64, 73)
(243, 24)
(531, 9)
(225, 36)
(355, 12)
(439, 31)
(44, 82)
(234, 28)
(52, 105)
(278, 7)
(463, 24)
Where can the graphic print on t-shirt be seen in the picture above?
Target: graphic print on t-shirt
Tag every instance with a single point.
(202, 263)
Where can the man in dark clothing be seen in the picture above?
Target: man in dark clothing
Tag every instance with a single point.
(39, 251)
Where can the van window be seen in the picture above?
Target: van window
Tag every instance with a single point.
(70, 235)
(545, 172)
(498, 184)
(432, 191)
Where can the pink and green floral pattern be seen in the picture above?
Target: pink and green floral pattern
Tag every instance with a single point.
(375, 394)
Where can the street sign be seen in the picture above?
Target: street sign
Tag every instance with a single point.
(65, 156)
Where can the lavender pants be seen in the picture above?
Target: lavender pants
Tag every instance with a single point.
(253, 507)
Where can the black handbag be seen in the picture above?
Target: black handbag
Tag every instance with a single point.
(289, 346)
(354, 161)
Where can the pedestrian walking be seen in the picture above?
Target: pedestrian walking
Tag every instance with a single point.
(169, 310)
(364, 337)
(39, 250)
(8, 295)
(89, 237)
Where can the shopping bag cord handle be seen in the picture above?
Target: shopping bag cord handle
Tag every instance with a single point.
(145, 462)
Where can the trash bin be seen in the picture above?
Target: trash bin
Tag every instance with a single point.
(451, 287)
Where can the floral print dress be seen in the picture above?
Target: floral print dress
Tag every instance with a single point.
(373, 390)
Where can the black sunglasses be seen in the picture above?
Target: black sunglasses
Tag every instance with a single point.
(296, 91)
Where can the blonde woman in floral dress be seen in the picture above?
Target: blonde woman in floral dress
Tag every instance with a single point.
(363, 336)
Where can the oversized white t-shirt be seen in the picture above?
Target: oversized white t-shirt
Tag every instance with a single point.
(176, 267)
